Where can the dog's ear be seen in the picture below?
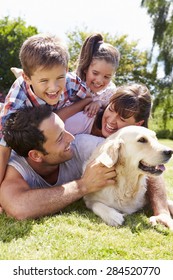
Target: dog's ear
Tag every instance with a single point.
(109, 152)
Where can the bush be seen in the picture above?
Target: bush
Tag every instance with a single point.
(165, 134)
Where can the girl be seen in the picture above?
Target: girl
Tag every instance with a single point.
(98, 62)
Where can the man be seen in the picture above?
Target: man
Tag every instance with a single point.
(37, 184)
(39, 179)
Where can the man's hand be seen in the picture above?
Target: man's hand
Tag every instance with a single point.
(97, 176)
(164, 219)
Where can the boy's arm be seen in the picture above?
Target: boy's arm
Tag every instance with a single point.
(21, 202)
(74, 108)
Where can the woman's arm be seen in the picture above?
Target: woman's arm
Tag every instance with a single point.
(158, 199)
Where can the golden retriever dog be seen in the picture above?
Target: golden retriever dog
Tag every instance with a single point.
(136, 153)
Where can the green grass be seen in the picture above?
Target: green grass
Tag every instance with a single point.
(77, 234)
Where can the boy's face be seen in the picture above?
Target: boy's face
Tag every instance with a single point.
(48, 83)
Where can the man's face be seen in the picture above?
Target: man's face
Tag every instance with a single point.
(58, 143)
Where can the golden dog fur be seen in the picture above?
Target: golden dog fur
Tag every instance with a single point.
(136, 153)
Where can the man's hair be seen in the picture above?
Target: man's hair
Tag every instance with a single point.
(42, 51)
(21, 130)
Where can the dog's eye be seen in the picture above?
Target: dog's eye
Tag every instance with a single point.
(142, 140)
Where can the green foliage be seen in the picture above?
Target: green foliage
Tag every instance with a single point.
(161, 12)
(75, 42)
(12, 34)
(164, 104)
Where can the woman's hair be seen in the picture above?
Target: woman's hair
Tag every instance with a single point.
(42, 50)
(95, 48)
(21, 130)
(130, 100)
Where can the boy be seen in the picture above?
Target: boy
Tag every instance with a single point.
(45, 80)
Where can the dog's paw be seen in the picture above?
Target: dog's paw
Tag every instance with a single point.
(109, 215)
(113, 218)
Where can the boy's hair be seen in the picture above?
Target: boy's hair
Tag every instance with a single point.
(130, 100)
(42, 51)
(95, 48)
(21, 130)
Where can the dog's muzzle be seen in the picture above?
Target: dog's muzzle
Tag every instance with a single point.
(158, 169)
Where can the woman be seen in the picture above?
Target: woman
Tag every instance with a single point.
(130, 105)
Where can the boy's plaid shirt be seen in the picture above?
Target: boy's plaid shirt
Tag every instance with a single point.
(21, 95)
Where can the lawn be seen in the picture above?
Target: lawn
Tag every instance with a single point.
(77, 234)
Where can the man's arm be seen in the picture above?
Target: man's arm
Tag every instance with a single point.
(4, 157)
(21, 202)
(158, 199)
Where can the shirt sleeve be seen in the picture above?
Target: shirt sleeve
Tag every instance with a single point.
(75, 88)
(79, 123)
(14, 100)
(84, 145)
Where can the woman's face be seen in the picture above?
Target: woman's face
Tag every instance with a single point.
(112, 121)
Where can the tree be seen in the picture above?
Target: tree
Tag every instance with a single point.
(133, 63)
(161, 13)
(12, 34)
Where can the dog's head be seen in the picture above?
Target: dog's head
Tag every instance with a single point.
(135, 146)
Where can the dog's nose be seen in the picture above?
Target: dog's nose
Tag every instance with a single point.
(168, 153)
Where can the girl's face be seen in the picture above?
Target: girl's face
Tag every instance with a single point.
(99, 75)
(112, 121)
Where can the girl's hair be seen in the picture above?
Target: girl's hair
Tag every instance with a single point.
(130, 100)
(95, 48)
(42, 50)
